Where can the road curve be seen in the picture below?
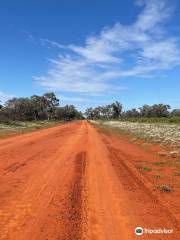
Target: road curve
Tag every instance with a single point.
(72, 182)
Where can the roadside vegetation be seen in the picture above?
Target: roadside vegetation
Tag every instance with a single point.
(147, 125)
(19, 115)
(37, 108)
(154, 123)
(157, 113)
(161, 133)
(23, 127)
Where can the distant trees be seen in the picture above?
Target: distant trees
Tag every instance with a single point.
(67, 113)
(1, 106)
(51, 102)
(104, 112)
(45, 107)
(19, 109)
(39, 106)
(114, 111)
(147, 111)
(131, 113)
(156, 110)
(175, 113)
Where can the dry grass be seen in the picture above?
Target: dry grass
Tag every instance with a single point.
(23, 127)
(165, 188)
(166, 134)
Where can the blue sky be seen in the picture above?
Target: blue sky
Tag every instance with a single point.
(91, 52)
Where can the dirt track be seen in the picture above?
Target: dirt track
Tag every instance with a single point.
(72, 182)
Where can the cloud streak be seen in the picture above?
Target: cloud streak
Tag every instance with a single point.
(4, 96)
(96, 68)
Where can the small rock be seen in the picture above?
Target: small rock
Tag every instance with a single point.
(163, 154)
(174, 153)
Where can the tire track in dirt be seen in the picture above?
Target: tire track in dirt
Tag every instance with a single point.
(75, 203)
(128, 173)
(142, 190)
(64, 218)
(114, 184)
(105, 219)
(48, 178)
(71, 182)
(34, 137)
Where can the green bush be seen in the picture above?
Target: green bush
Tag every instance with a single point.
(153, 119)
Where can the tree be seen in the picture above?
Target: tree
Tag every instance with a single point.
(175, 113)
(109, 111)
(104, 112)
(146, 111)
(160, 110)
(69, 112)
(51, 101)
(131, 113)
(21, 108)
(39, 107)
(117, 109)
(36, 107)
(156, 110)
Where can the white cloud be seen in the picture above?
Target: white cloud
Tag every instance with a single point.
(74, 99)
(50, 43)
(97, 50)
(29, 36)
(154, 13)
(139, 49)
(4, 96)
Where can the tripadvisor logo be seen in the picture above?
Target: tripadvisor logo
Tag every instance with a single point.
(139, 231)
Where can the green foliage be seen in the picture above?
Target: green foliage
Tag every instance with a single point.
(44, 107)
(150, 114)
(175, 113)
(152, 119)
(111, 111)
(117, 109)
(67, 113)
(156, 110)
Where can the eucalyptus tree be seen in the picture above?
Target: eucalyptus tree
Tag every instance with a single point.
(117, 109)
(175, 113)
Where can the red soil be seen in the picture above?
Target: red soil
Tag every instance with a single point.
(73, 182)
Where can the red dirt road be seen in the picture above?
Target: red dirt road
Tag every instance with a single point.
(72, 182)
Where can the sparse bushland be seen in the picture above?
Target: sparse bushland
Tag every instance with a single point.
(153, 123)
(168, 119)
(36, 108)
(160, 133)
(23, 127)
(157, 113)
(146, 127)
(111, 111)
